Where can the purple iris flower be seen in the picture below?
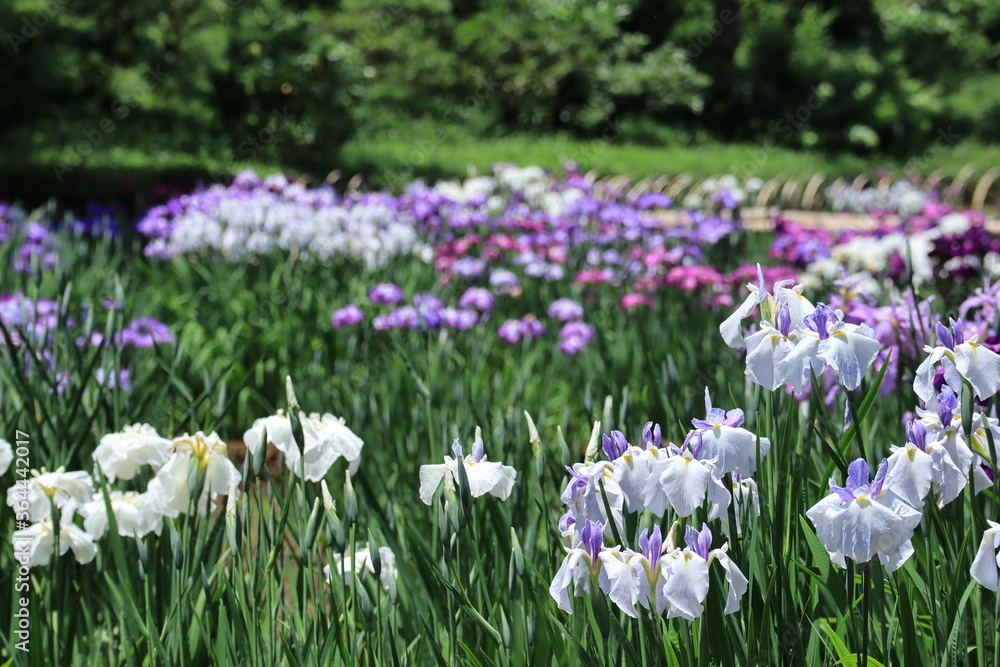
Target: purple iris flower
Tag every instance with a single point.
(949, 338)
(574, 336)
(614, 445)
(652, 436)
(565, 310)
(405, 317)
(699, 541)
(114, 380)
(504, 280)
(820, 320)
(566, 522)
(593, 539)
(431, 318)
(857, 481)
(460, 319)
(145, 332)
(715, 416)
(651, 545)
(511, 331)
(386, 293)
(477, 298)
(469, 267)
(947, 404)
(783, 320)
(347, 316)
(916, 433)
(426, 301)
(531, 327)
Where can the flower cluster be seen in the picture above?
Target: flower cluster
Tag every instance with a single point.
(917, 240)
(796, 339)
(712, 470)
(254, 217)
(121, 456)
(185, 475)
(32, 323)
(945, 451)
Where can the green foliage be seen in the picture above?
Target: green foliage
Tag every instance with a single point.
(235, 82)
(240, 81)
(245, 585)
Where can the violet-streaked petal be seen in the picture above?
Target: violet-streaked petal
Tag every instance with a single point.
(699, 541)
(916, 433)
(651, 544)
(876, 486)
(845, 494)
(593, 539)
(944, 337)
(783, 320)
(958, 332)
(858, 474)
(761, 285)
(734, 418)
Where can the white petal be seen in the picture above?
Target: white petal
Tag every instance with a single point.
(980, 366)
(430, 480)
(736, 580)
(849, 355)
(892, 561)
(984, 567)
(766, 350)
(82, 543)
(483, 476)
(503, 487)
(686, 586)
(792, 368)
(685, 481)
(910, 474)
(626, 581)
(923, 381)
(732, 328)
(631, 471)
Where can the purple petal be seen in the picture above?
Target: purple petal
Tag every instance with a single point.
(876, 486)
(593, 539)
(944, 336)
(916, 433)
(858, 474)
(783, 320)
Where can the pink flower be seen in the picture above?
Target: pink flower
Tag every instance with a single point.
(634, 299)
(588, 276)
(693, 277)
